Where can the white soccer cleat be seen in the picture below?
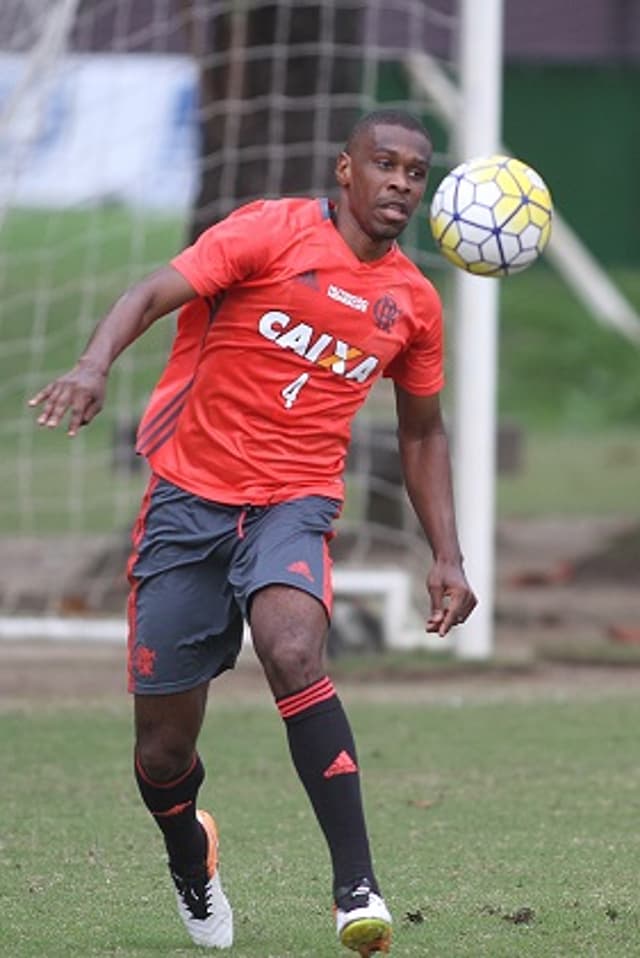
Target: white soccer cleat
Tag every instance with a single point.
(202, 904)
(363, 922)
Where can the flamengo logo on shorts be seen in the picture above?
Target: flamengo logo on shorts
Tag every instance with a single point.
(319, 348)
(347, 299)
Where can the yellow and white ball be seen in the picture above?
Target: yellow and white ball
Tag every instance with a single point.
(492, 216)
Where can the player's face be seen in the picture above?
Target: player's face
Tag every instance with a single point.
(384, 179)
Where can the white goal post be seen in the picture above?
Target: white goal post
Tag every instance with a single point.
(476, 311)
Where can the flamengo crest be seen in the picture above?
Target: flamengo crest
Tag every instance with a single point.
(385, 312)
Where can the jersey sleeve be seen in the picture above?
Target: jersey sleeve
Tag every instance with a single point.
(419, 367)
(232, 250)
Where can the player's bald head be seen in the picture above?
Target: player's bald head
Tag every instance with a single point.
(365, 126)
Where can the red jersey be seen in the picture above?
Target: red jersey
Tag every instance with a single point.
(280, 349)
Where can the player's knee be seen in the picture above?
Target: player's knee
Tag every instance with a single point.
(290, 661)
(289, 629)
(164, 757)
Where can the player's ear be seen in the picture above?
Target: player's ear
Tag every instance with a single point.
(343, 169)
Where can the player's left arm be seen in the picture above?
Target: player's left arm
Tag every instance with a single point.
(426, 466)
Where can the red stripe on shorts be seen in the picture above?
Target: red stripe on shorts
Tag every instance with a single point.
(327, 576)
(136, 538)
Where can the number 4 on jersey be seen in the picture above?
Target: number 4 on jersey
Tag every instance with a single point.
(291, 392)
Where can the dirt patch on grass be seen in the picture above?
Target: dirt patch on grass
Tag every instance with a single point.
(35, 675)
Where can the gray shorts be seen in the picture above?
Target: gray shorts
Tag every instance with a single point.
(194, 568)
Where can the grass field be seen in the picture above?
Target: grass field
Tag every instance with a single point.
(501, 830)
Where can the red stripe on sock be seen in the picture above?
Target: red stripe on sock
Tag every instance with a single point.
(177, 781)
(320, 691)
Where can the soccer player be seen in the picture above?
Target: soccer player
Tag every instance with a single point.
(290, 310)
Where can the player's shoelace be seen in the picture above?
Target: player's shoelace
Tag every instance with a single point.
(193, 888)
(354, 896)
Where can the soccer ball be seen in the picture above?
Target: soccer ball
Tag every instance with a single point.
(491, 216)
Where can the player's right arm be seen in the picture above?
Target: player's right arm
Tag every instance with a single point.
(82, 390)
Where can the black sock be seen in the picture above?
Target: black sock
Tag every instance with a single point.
(324, 755)
(173, 806)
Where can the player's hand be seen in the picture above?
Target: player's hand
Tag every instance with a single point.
(80, 391)
(452, 599)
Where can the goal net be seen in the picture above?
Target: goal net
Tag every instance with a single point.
(125, 128)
